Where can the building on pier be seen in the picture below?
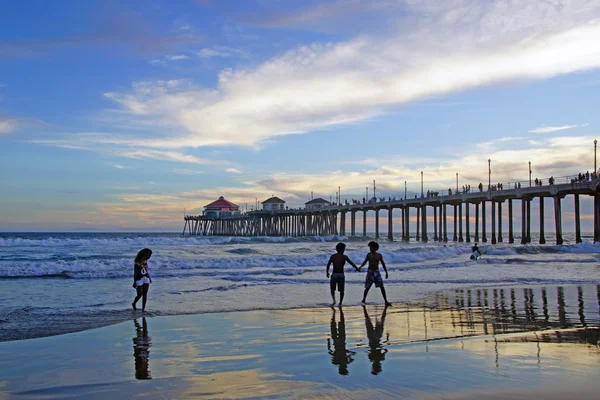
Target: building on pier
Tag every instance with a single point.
(273, 204)
(316, 204)
(221, 208)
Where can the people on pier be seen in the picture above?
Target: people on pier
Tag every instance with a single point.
(480, 186)
(141, 277)
(373, 275)
(338, 279)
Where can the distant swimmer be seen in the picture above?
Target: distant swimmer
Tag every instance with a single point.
(475, 252)
(141, 277)
(373, 275)
(338, 279)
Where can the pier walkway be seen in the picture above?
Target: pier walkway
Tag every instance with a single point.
(332, 220)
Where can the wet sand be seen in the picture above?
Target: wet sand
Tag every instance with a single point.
(523, 342)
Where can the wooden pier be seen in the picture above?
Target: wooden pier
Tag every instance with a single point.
(332, 220)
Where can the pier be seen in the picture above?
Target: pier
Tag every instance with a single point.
(332, 219)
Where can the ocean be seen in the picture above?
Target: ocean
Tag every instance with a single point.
(55, 283)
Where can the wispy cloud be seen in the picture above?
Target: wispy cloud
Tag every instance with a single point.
(442, 48)
(233, 171)
(183, 171)
(119, 166)
(8, 125)
(550, 129)
(222, 51)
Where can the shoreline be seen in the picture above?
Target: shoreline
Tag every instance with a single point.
(462, 343)
(124, 315)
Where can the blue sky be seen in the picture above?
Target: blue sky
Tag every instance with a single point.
(120, 115)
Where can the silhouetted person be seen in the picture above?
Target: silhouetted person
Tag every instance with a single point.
(141, 277)
(141, 350)
(375, 333)
(373, 275)
(338, 279)
(340, 356)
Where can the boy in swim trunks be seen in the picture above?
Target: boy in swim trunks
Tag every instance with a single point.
(337, 277)
(373, 275)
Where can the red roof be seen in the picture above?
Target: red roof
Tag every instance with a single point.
(222, 204)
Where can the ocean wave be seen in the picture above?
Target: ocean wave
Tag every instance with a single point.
(143, 241)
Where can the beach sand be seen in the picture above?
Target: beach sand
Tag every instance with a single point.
(501, 343)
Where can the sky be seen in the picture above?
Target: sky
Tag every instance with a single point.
(121, 116)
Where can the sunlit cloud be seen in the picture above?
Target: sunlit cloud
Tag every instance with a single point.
(233, 171)
(8, 125)
(550, 129)
(119, 166)
(448, 48)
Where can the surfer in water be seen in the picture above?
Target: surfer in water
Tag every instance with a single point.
(337, 277)
(141, 277)
(475, 252)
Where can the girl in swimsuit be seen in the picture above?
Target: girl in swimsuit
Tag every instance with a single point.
(141, 277)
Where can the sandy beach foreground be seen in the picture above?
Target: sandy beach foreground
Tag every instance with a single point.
(519, 342)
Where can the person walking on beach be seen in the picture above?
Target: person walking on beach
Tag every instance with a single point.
(141, 277)
(373, 275)
(337, 277)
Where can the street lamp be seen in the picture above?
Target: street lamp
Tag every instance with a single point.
(404, 190)
(529, 173)
(367, 198)
(489, 174)
(595, 142)
(339, 195)
(421, 183)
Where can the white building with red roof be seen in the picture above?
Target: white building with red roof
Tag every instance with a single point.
(221, 208)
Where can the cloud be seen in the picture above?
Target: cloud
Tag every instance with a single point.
(440, 48)
(550, 129)
(177, 57)
(182, 171)
(119, 166)
(147, 154)
(111, 27)
(8, 125)
(222, 51)
(233, 171)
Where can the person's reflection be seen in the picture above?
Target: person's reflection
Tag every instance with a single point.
(374, 333)
(339, 355)
(141, 350)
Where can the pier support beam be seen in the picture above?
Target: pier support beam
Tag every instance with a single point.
(440, 224)
(435, 228)
(460, 224)
(523, 221)
(365, 223)
(343, 223)
(476, 222)
(424, 227)
(483, 236)
(403, 209)
(376, 223)
(454, 236)
(467, 223)
(529, 221)
(511, 238)
(500, 222)
(418, 222)
(407, 230)
(577, 220)
(596, 217)
(353, 223)
(542, 233)
(445, 212)
(558, 219)
(390, 224)
(493, 222)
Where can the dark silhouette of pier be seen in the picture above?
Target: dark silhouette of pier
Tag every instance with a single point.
(332, 220)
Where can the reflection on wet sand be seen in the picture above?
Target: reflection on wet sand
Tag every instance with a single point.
(376, 352)
(141, 350)
(340, 356)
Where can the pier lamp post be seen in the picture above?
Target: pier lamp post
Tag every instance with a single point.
(489, 174)
(367, 198)
(457, 182)
(339, 195)
(374, 195)
(595, 142)
(421, 183)
(529, 173)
